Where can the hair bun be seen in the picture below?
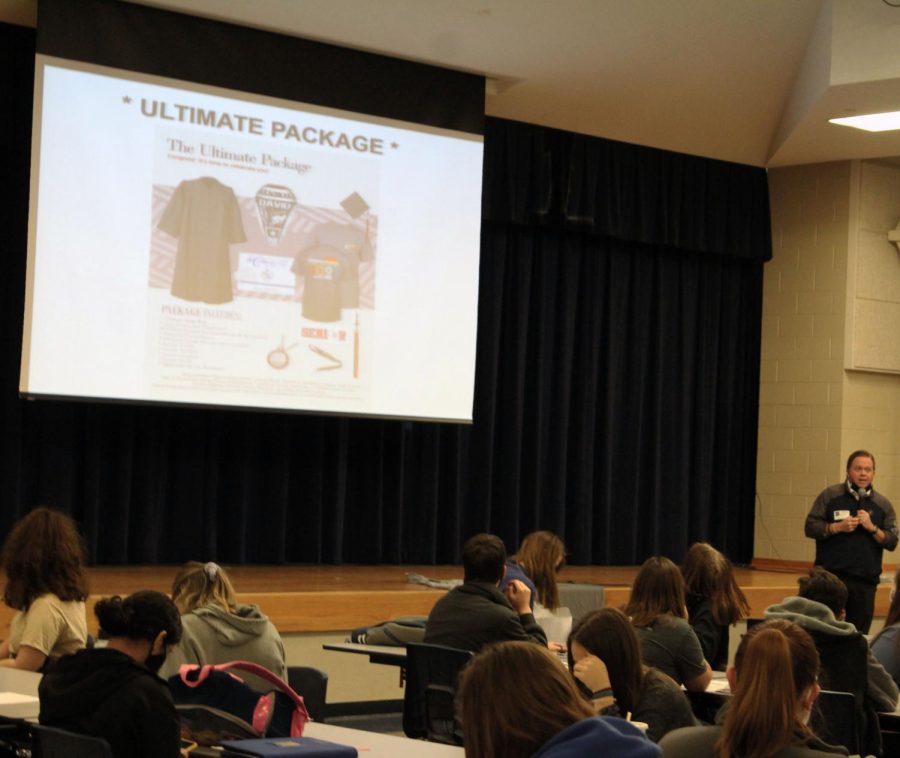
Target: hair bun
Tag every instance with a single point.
(112, 613)
(211, 569)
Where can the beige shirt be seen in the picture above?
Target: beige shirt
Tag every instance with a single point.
(52, 626)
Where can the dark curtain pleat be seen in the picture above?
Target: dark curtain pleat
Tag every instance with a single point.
(535, 175)
(616, 390)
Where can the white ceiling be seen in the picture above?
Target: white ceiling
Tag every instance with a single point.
(752, 81)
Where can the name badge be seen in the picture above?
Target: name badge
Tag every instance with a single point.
(841, 515)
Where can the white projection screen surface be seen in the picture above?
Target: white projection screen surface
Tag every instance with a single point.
(196, 245)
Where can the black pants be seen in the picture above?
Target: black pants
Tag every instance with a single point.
(860, 602)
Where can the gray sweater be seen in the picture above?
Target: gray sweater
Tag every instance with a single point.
(213, 635)
(816, 617)
(696, 741)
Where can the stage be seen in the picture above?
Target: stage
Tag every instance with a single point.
(338, 598)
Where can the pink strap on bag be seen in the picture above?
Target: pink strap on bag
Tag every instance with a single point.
(262, 712)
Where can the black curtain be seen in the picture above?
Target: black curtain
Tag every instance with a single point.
(615, 398)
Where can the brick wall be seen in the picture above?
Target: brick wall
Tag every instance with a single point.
(812, 411)
(802, 348)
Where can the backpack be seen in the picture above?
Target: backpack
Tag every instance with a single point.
(215, 705)
(15, 737)
(399, 632)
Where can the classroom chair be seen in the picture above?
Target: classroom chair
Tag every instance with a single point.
(890, 733)
(844, 668)
(312, 684)
(49, 742)
(432, 672)
(834, 718)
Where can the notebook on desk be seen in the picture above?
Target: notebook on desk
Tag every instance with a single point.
(719, 686)
(287, 747)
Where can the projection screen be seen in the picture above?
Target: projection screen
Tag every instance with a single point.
(191, 244)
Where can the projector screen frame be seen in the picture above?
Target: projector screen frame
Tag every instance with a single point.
(238, 96)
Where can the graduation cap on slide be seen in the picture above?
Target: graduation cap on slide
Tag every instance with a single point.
(356, 206)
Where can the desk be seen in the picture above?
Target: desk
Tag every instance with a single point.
(386, 654)
(374, 745)
(19, 685)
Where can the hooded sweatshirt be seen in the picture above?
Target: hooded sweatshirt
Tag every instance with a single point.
(213, 635)
(600, 735)
(818, 618)
(105, 693)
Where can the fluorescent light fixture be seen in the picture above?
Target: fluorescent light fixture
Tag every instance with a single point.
(871, 122)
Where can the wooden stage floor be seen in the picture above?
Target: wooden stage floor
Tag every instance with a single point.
(339, 598)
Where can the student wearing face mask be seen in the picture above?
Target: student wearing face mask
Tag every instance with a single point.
(114, 692)
(853, 525)
(774, 685)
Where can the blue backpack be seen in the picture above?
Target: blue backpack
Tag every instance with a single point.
(215, 705)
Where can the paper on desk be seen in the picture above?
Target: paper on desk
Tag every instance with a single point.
(13, 698)
(719, 685)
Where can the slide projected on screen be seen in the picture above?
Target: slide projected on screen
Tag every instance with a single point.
(200, 246)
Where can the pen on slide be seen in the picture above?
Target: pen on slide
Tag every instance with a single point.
(337, 362)
(319, 351)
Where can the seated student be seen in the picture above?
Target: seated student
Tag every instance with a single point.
(538, 560)
(714, 600)
(476, 613)
(114, 692)
(847, 662)
(658, 614)
(886, 645)
(218, 629)
(516, 700)
(819, 608)
(605, 659)
(774, 686)
(43, 560)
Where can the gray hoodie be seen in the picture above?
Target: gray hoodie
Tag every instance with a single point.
(213, 635)
(816, 617)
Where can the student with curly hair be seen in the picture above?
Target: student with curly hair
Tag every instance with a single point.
(714, 600)
(43, 560)
(218, 629)
(114, 692)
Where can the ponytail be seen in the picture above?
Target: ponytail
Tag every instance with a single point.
(200, 584)
(777, 662)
